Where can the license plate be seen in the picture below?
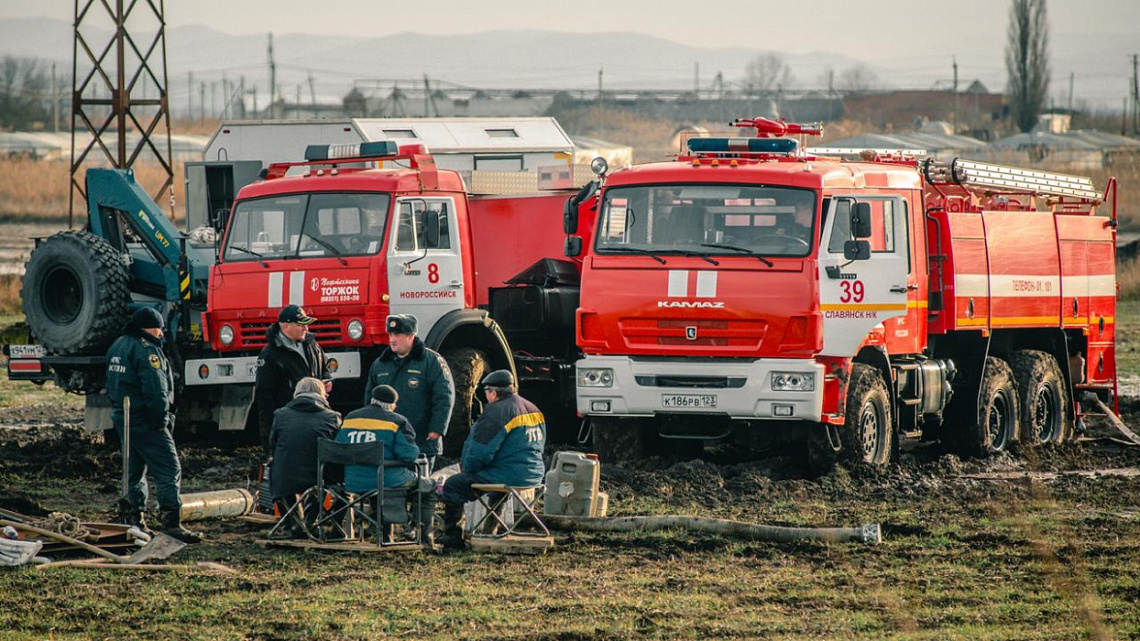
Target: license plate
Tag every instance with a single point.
(689, 401)
(26, 351)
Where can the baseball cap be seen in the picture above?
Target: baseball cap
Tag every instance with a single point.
(294, 314)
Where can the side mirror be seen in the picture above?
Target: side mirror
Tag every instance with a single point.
(573, 246)
(857, 250)
(570, 216)
(861, 220)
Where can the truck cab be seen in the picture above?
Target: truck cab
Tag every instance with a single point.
(351, 243)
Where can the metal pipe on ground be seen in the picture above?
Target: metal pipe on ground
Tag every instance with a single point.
(864, 534)
(219, 504)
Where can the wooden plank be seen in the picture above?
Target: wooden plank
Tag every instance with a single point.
(201, 566)
(511, 544)
(259, 519)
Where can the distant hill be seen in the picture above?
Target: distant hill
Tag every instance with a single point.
(542, 59)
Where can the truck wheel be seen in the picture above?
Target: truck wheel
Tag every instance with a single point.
(995, 426)
(467, 368)
(75, 293)
(868, 432)
(1045, 407)
(616, 440)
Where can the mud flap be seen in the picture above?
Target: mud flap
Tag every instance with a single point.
(97, 413)
(234, 410)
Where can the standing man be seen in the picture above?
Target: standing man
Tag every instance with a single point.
(137, 368)
(422, 380)
(290, 354)
(504, 447)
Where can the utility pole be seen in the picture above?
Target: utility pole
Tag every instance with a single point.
(213, 98)
(697, 79)
(312, 94)
(189, 96)
(1072, 77)
(272, 80)
(202, 101)
(1136, 96)
(955, 59)
(601, 117)
(54, 101)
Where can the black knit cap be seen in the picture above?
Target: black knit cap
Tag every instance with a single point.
(401, 324)
(147, 318)
(385, 394)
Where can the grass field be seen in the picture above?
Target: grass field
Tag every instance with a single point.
(1036, 558)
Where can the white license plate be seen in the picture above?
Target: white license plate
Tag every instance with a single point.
(689, 401)
(27, 351)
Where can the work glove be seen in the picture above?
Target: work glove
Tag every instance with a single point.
(169, 424)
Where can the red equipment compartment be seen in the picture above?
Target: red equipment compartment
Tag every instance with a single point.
(511, 233)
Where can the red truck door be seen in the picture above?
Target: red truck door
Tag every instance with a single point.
(425, 265)
(855, 296)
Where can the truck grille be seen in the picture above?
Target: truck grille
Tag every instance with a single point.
(252, 334)
(736, 334)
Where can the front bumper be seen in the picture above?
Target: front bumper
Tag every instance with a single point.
(647, 387)
(243, 369)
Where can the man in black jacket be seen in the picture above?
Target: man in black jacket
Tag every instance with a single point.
(290, 354)
(293, 442)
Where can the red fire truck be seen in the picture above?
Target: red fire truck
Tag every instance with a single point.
(840, 298)
(353, 243)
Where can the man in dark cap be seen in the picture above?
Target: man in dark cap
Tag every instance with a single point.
(422, 380)
(378, 421)
(290, 354)
(138, 369)
(504, 447)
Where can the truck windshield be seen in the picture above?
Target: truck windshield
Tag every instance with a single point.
(307, 225)
(767, 221)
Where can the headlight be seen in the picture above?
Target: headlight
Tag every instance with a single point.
(793, 381)
(226, 333)
(595, 377)
(355, 329)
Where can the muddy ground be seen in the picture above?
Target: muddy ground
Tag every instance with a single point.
(1029, 545)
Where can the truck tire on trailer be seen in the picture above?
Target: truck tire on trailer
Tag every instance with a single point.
(996, 425)
(868, 432)
(75, 292)
(1046, 416)
(468, 366)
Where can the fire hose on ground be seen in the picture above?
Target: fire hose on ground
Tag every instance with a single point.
(870, 533)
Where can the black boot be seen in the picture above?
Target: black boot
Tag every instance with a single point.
(452, 533)
(172, 526)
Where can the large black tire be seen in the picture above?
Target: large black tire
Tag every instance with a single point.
(996, 425)
(468, 366)
(868, 433)
(1046, 411)
(618, 440)
(75, 293)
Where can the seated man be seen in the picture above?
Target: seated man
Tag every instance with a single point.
(293, 440)
(504, 447)
(379, 421)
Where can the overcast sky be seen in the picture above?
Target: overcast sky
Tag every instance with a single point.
(872, 29)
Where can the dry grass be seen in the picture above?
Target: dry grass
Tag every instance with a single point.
(38, 189)
(10, 301)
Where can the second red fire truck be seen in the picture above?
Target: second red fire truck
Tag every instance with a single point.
(840, 298)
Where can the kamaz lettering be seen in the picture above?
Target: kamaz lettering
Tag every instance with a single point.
(690, 304)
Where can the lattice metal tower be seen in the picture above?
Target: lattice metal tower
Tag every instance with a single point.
(121, 100)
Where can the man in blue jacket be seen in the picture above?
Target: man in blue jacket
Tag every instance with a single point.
(422, 380)
(138, 368)
(378, 421)
(504, 447)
